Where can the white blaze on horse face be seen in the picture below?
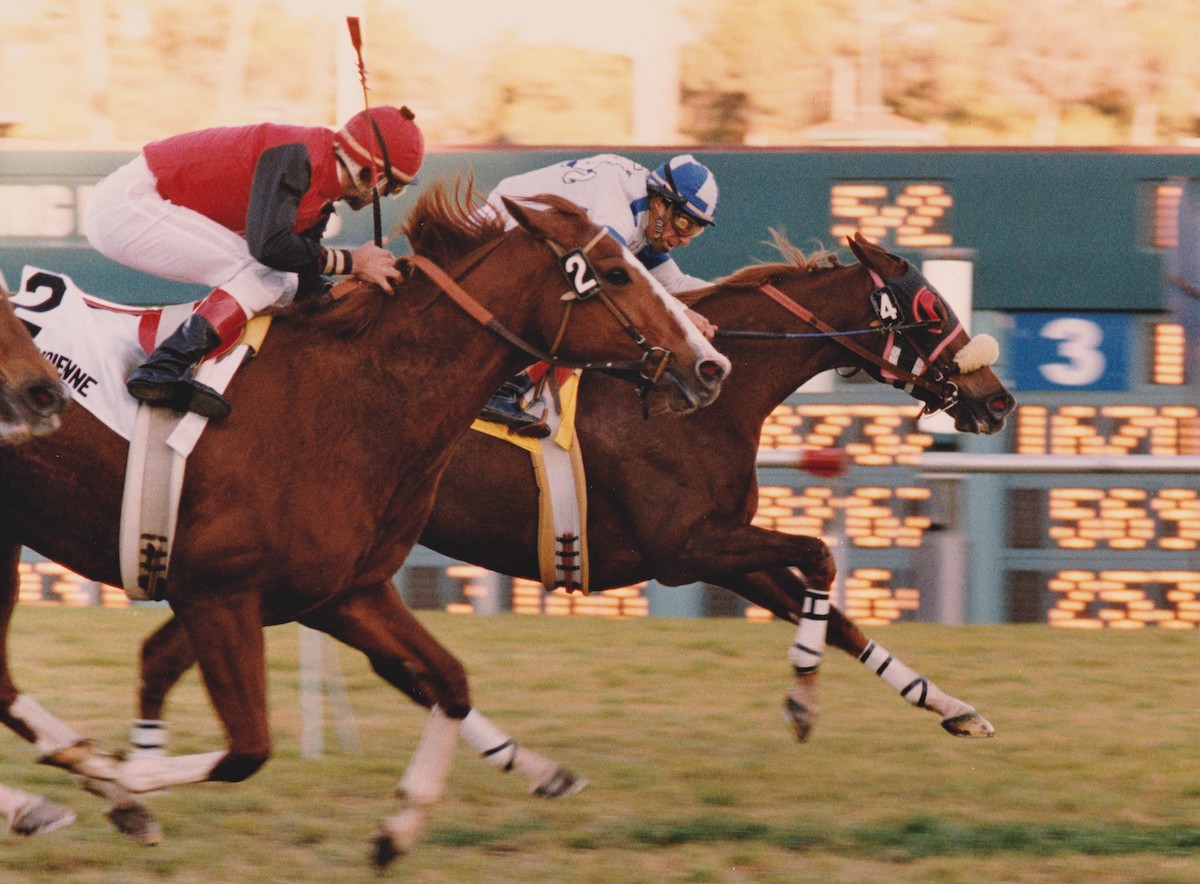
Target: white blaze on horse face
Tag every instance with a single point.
(696, 340)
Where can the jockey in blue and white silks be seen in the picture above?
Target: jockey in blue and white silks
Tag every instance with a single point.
(649, 212)
(617, 194)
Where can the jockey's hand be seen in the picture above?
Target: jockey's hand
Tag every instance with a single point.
(706, 328)
(376, 265)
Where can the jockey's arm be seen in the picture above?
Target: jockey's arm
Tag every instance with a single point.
(281, 179)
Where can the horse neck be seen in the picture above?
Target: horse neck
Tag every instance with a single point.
(766, 372)
(437, 354)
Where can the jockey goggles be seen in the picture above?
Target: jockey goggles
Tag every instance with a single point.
(685, 224)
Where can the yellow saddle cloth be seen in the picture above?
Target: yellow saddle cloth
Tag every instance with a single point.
(562, 490)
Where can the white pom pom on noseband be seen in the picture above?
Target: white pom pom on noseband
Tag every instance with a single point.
(981, 352)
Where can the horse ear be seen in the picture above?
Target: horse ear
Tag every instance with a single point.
(874, 256)
(522, 213)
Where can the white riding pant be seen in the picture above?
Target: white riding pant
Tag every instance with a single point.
(128, 221)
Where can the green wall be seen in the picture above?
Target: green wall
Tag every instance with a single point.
(1068, 229)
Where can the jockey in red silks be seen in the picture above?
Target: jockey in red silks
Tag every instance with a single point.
(242, 210)
(650, 212)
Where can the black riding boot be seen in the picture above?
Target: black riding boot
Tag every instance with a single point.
(505, 407)
(166, 377)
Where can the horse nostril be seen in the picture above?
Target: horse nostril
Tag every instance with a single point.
(711, 370)
(1001, 404)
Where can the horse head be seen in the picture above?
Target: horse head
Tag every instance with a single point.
(31, 394)
(602, 275)
(927, 351)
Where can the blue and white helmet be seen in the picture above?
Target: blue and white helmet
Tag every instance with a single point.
(688, 183)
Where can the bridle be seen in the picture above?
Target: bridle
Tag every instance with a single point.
(585, 285)
(904, 304)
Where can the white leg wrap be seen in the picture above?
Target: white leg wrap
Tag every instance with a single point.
(148, 737)
(50, 734)
(912, 687)
(148, 773)
(808, 650)
(13, 800)
(424, 779)
(496, 747)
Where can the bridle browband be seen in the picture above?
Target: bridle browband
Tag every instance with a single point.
(933, 378)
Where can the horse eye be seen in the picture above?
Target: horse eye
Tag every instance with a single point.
(616, 275)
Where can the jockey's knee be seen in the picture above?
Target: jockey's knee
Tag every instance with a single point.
(238, 766)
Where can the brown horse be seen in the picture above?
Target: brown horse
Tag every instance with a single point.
(673, 500)
(303, 504)
(32, 397)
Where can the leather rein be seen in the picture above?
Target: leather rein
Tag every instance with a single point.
(654, 359)
(933, 377)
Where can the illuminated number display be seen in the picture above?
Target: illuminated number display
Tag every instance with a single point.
(913, 214)
(1108, 429)
(1125, 599)
(1070, 351)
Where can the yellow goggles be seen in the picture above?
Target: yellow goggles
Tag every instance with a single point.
(685, 224)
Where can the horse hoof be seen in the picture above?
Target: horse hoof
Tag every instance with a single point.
(969, 724)
(561, 784)
(801, 715)
(383, 851)
(134, 821)
(41, 817)
(396, 836)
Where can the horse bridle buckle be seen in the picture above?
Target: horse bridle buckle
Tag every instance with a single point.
(662, 357)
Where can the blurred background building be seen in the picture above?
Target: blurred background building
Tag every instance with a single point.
(732, 72)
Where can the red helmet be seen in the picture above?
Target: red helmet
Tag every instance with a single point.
(387, 139)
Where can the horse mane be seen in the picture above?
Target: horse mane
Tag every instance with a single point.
(795, 262)
(448, 221)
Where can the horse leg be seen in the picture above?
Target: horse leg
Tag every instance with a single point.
(226, 635)
(958, 718)
(376, 621)
(165, 656)
(547, 779)
(58, 743)
(787, 596)
(32, 814)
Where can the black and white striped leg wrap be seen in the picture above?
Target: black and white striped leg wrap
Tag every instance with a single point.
(912, 687)
(808, 650)
(148, 736)
(496, 747)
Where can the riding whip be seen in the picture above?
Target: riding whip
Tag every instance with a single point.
(356, 41)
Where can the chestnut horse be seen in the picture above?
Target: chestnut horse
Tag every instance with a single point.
(32, 397)
(307, 499)
(703, 467)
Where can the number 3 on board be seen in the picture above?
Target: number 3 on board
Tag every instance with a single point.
(1071, 351)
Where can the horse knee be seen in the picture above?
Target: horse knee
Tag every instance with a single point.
(820, 567)
(238, 766)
